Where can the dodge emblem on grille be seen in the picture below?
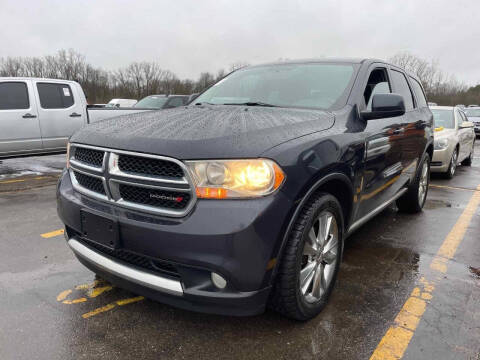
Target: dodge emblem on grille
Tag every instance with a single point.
(165, 197)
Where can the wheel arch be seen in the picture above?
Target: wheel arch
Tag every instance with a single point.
(338, 185)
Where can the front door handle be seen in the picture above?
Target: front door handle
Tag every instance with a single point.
(29, 116)
(398, 131)
(74, 114)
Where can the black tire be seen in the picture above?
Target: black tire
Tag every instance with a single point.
(410, 202)
(469, 159)
(450, 173)
(286, 296)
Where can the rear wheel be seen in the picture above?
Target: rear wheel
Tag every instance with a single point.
(469, 159)
(311, 260)
(453, 165)
(414, 199)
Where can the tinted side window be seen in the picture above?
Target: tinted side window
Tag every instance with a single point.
(377, 84)
(401, 86)
(417, 89)
(13, 95)
(177, 101)
(55, 96)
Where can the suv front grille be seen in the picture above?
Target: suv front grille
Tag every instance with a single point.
(147, 183)
(153, 197)
(149, 166)
(89, 156)
(153, 265)
(90, 183)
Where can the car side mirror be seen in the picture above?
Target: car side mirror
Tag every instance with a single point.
(466, 124)
(385, 106)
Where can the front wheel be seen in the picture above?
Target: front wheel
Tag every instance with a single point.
(414, 199)
(311, 260)
(453, 165)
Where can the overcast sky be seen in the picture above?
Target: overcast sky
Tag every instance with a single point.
(189, 37)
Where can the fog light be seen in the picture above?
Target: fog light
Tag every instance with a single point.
(218, 281)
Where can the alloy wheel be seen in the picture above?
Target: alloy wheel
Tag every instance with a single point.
(319, 257)
(453, 164)
(423, 184)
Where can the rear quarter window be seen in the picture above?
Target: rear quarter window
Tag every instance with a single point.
(401, 87)
(13, 95)
(55, 96)
(419, 94)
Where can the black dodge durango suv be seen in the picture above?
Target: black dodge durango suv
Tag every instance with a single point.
(244, 198)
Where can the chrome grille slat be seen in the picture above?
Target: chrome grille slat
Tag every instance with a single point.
(152, 193)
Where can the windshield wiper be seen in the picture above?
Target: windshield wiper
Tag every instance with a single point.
(253, 103)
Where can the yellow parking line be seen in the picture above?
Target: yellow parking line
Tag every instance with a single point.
(11, 181)
(53, 233)
(34, 178)
(451, 187)
(398, 336)
(111, 306)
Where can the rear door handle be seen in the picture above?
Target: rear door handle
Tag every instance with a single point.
(398, 131)
(74, 114)
(29, 116)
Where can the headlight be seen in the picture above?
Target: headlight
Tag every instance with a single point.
(68, 155)
(222, 179)
(440, 144)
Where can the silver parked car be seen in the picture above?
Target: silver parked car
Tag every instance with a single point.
(473, 115)
(39, 115)
(454, 140)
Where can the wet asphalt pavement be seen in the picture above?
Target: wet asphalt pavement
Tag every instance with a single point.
(51, 307)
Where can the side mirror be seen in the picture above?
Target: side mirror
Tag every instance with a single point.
(466, 125)
(385, 106)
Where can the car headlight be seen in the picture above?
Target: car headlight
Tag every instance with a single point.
(68, 155)
(440, 144)
(227, 179)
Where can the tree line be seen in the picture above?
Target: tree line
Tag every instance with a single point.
(140, 79)
(137, 80)
(440, 87)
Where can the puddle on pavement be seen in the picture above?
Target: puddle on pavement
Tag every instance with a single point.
(431, 204)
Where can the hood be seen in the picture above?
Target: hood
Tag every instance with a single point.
(200, 132)
(475, 119)
(445, 133)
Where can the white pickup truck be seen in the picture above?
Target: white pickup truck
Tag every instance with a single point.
(39, 115)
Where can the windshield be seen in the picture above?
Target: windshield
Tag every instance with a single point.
(472, 112)
(443, 118)
(288, 85)
(152, 102)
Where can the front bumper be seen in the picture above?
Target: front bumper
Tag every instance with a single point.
(237, 239)
(441, 159)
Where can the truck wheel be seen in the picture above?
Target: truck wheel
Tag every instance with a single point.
(453, 165)
(469, 159)
(414, 199)
(311, 260)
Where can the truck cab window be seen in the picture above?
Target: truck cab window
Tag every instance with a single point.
(13, 95)
(174, 102)
(377, 84)
(55, 96)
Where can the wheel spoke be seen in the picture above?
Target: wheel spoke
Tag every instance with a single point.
(318, 287)
(329, 257)
(328, 273)
(306, 276)
(328, 226)
(330, 245)
(311, 247)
